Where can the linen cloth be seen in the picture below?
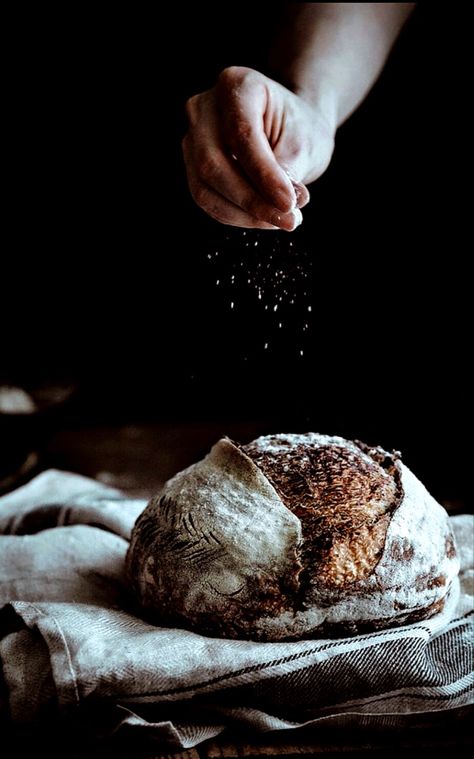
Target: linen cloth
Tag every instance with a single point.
(73, 650)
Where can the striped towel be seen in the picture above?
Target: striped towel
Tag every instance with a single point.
(74, 654)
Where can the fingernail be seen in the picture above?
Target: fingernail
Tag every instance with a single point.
(292, 218)
(296, 218)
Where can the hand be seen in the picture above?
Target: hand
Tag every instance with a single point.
(251, 147)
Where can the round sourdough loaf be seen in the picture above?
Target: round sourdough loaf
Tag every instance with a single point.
(290, 536)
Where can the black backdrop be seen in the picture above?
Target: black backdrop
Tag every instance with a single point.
(109, 271)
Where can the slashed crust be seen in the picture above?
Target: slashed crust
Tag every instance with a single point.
(292, 536)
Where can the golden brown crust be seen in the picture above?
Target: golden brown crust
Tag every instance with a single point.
(343, 497)
(290, 536)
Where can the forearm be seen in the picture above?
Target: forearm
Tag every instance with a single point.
(255, 142)
(332, 53)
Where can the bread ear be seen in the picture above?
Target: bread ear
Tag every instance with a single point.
(218, 543)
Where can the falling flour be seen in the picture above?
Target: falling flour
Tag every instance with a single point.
(272, 275)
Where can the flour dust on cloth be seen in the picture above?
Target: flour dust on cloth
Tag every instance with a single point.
(72, 651)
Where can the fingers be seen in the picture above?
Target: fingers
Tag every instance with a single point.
(301, 192)
(215, 170)
(249, 143)
(218, 207)
(209, 167)
(243, 99)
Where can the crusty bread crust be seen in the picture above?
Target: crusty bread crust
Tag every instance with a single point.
(342, 493)
(292, 536)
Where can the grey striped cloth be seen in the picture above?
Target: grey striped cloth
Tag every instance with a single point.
(73, 652)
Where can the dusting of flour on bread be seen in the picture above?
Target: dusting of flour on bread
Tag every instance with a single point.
(292, 536)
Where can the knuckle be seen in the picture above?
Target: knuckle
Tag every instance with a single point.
(252, 206)
(208, 168)
(191, 108)
(201, 196)
(233, 80)
(231, 75)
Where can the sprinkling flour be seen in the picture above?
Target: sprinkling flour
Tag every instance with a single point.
(271, 275)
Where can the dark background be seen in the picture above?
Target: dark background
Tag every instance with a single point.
(109, 270)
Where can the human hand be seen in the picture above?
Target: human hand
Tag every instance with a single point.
(251, 147)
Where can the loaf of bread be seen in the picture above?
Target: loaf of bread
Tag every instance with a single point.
(290, 536)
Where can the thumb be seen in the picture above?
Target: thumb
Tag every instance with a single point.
(301, 191)
(295, 169)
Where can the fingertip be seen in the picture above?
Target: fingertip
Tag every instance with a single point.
(297, 217)
(302, 194)
(287, 222)
(271, 227)
(297, 197)
(255, 225)
(284, 192)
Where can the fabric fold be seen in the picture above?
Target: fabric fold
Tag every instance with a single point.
(71, 644)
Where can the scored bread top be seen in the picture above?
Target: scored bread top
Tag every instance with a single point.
(289, 536)
(343, 493)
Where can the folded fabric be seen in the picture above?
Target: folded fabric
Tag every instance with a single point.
(72, 648)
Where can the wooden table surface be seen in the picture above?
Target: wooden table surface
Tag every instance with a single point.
(138, 459)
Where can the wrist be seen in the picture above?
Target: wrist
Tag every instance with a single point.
(316, 88)
(321, 95)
